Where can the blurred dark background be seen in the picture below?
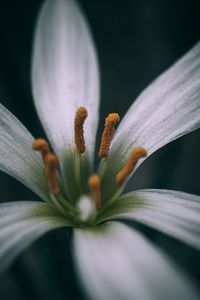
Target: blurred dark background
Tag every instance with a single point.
(136, 41)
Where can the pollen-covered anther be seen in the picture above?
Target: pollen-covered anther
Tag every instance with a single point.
(81, 115)
(51, 165)
(94, 183)
(136, 154)
(42, 146)
(109, 130)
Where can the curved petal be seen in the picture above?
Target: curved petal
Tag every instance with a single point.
(116, 262)
(16, 155)
(166, 110)
(64, 77)
(175, 213)
(23, 222)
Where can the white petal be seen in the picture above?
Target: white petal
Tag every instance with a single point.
(21, 223)
(166, 110)
(116, 262)
(175, 213)
(16, 155)
(65, 76)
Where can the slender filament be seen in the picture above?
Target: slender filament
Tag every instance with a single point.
(136, 154)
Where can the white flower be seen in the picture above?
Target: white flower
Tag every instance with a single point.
(114, 260)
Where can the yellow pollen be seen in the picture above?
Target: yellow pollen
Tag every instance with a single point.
(51, 165)
(94, 183)
(81, 115)
(109, 130)
(42, 146)
(136, 154)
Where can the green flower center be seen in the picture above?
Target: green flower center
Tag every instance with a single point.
(86, 210)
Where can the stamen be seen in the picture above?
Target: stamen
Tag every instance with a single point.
(136, 154)
(51, 165)
(79, 120)
(94, 183)
(42, 146)
(109, 130)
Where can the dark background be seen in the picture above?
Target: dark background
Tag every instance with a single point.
(136, 41)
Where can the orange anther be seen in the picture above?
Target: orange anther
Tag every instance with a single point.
(79, 120)
(109, 130)
(136, 154)
(51, 165)
(42, 146)
(94, 183)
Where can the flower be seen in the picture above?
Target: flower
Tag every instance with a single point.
(114, 260)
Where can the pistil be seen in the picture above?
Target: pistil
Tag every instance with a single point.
(109, 130)
(136, 154)
(94, 184)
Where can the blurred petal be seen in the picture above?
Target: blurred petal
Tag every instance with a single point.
(65, 76)
(116, 262)
(175, 213)
(16, 155)
(23, 222)
(166, 110)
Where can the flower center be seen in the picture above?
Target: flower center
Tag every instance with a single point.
(51, 163)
